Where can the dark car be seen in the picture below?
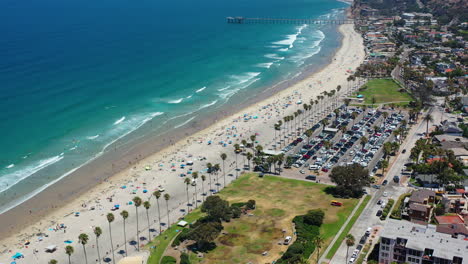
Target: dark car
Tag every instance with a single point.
(384, 182)
(396, 179)
(311, 177)
(404, 151)
(379, 213)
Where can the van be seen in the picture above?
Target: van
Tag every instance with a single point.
(313, 167)
(287, 240)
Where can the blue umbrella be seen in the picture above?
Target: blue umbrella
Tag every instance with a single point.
(67, 241)
(17, 255)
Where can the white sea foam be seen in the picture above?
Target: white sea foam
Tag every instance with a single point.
(201, 89)
(9, 180)
(93, 137)
(119, 121)
(283, 50)
(264, 65)
(273, 56)
(10, 166)
(290, 39)
(186, 122)
(243, 78)
(207, 105)
(73, 148)
(188, 97)
(178, 101)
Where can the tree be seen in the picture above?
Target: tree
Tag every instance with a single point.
(428, 118)
(349, 243)
(384, 166)
(187, 183)
(137, 202)
(217, 208)
(249, 157)
(318, 241)
(53, 261)
(350, 179)
(364, 141)
(110, 218)
(216, 169)
(203, 178)
(237, 150)
(98, 232)
(124, 215)
(83, 240)
(69, 250)
(252, 138)
(324, 122)
(147, 206)
(385, 116)
(373, 101)
(195, 177)
(157, 194)
(167, 197)
(354, 116)
(223, 157)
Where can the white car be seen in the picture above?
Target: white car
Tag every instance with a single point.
(161, 189)
(385, 194)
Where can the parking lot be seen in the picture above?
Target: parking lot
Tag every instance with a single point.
(334, 145)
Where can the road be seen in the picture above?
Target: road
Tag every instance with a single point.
(368, 217)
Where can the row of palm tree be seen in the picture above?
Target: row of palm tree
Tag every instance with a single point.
(137, 201)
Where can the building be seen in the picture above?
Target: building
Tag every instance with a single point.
(451, 224)
(412, 243)
(419, 205)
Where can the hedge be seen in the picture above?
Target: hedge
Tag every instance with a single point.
(168, 260)
(387, 209)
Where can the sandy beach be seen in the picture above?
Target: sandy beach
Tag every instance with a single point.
(83, 203)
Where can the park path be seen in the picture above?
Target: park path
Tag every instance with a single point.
(324, 254)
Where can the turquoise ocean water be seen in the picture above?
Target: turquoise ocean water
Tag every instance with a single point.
(77, 76)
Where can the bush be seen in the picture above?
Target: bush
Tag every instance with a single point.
(184, 258)
(387, 208)
(240, 205)
(168, 260)
(236, 211)
(250, 204)
(180, 237)
(314, 217)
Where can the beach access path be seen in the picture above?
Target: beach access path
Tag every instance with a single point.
(164, 169)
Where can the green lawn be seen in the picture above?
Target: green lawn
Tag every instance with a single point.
(278, 201)
(161, 242)
(348, 227)
(384, 90)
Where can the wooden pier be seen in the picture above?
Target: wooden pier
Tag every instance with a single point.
(249, 20)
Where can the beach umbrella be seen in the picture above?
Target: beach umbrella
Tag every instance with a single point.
(123, 187)
(145, 191)
(17, 255)
(67, 241)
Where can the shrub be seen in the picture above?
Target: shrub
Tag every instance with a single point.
(396, 212)
(168, 260)
(184, 258)
(387, 208)
(180, 237)
(314, 217)
(250, 204)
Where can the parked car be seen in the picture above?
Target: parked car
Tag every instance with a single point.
(379, 213)
(311, 177)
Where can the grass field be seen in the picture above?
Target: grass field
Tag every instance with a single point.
(278, 200)
(348, 227)
(160, 243)
(384, 90)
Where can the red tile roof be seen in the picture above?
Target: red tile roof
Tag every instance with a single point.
(450, 219)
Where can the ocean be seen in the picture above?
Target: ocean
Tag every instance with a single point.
(77, 77)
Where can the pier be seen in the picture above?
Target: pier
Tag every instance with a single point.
(249, 20)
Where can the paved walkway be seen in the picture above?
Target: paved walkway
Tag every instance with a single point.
(324, 254)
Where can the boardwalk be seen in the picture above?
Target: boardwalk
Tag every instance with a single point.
(249, 20)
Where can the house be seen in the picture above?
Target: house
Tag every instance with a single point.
(455, 203)
(451, 128)
(451, 224)
(419, 205)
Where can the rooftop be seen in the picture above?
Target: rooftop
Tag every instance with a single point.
(421, 237)
(420, 196)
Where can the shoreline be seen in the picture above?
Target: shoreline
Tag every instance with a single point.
(120, 168)
(137, 152)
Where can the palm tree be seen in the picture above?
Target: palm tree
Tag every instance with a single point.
(324, 122)
(249, 157)
(203, 179)
(187, 182)
(385, 116)
(167, 197)
(53, 261)
(216, 168)
(110, 219)
(223, 157)
(98, 232)
(137, 202)
(349, 243)
(384, 166)
(237, 150)
(252, 138)
(195, 176)
(364, 141)
(318, 241)
(157, 194)
(428, 118)
(124, 215)
(147, 206)
(354, 115)
(69, 251)
(83, 239)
